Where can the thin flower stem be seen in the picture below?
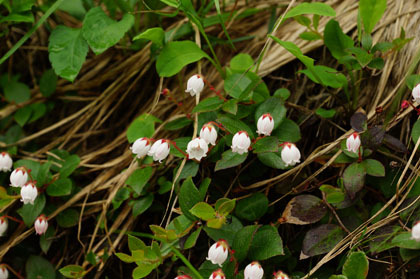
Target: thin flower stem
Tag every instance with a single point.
(14, 271)
(179, 149)
(14, 219)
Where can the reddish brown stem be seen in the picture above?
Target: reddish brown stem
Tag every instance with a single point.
(14, 271)
(179, 149)
(14, 219)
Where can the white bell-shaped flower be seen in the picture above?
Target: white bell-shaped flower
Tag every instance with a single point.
(353, 142)
(159, 150)
(195, 85)
(290, 154)
(4, 273)
(29, 192)
(415, 232)
(41, 224)
(218, 252)
(253, 271)
(241, 142)
(3, 225)
(140, 147)
(18, 177)
(416, 93)
(280, 275)
(218, 274)
(6, 162)
(265, 124)
(197, 148)
(209, 134)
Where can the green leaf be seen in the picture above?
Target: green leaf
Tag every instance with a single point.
(321, 240)
(310, 36)
(39, 268)
(230, 159)
(16, 92)
(325, 113)
(142, 126)
(192, 239)
(46, 239)
(23, 17)
(22, 5)
(142, 204)
(74, 8)
(208, 104)
(356, 266)
(335, 40)
(405, 240)
(135, 243)
(272, 160)
(333, 194)
(246, 86)
(266, 144)
(266, 243)
(101, 32)
(230, 106)
(374, 167)
(371, 12)
(72, 271)
(252, 208)
(408, 254)
(304, 209)
(225, 207)
(288, 131)
(67, 51)
(326, 76)
(60, 187)
(178, 124)
(354, 178)
(68, 218)
(38, 111)
(282, 93)
(22, 115)
(48, 83)
(226, 232)
(203, 211)
(30, 212)
(69, 165)
(188, 197)
(412, 81)
(234, 125)
(275, 107)
(241, 62)
(156, 35)
(176, 55)
(138, 179)
(315, 8)
(415, 131)
(242, 241)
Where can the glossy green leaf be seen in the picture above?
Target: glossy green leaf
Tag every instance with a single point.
(138, 179)
(142, 126)
(354, 178)
(178, 124)
(39, 268)
(241, 62)
(272, 160)
(315, 8)
(22, 115)
(48, 83)
(321, 240)
(230, 159)
(68, 218)
(252, 208)
(30, 212)
(203, 211)
(188, 197)
(275, 107)
(266, 243)
(405, 240)
(242, 241)
(288, 131)
(156, 35)
(335, 40)
(415, 131)
(371, 12)
(266, 144)
(208, 104)
(356, 266)
(60, 187)
(325, 113)
(142, 204)
(72, 271)
(16, 92)
(234, 125)
(374, 167)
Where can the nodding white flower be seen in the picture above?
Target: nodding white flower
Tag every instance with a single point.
(183, 277)
(41, 224)
(265, 124)
(253, 271)
(209, 134)
(353, 142)
(29, 192)
(3, 225)
(218, 252)
(140, 147)
(197, 148)
(416, 93)
(290, 154)
(415, 231)
(280, 275)
(6, 162)
(18, 177)
(195, 85)
(241, 142)
(159, 150)
(218, 274)
(4, 273)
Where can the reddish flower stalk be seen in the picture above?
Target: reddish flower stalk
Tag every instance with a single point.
(217, 92)
(14, 219)
(167, 92)
(179, 149)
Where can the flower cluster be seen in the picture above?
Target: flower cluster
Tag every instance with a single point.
(4, 273)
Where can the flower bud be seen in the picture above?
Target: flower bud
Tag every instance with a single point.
(241, 142)
(197, 149)
(18, 177)
(3, 225)
(140, 147)
(195, 85)
(183, 277)
(6, 162)
(159, 150)
(353, 142)
(290, 154)
(265, 124)
(218, 252)
(209, 134)
(253, 271)
(415, 231)
(218, 274)
(280, 275)
(416, 93)
(4, 273)
(29, 192)
(41, 224)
